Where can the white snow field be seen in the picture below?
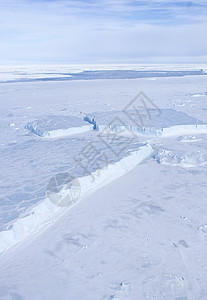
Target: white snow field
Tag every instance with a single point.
(115, 210)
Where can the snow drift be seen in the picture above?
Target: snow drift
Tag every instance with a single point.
(180, 159)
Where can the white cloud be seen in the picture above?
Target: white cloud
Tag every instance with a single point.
(110, 30)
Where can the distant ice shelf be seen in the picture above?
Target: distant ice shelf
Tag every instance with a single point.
(115, 72)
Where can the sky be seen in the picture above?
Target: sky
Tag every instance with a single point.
(103, 31)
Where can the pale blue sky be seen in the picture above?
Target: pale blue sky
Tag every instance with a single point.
(103, 31)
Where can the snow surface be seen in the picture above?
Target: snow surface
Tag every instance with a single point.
(141, 236)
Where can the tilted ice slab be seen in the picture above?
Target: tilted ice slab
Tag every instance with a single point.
(58, 126)
(46, 212)
(28, 166)
(149, 122)
(59, 132)
(163, 132)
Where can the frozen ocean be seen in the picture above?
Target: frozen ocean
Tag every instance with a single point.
(132, 141)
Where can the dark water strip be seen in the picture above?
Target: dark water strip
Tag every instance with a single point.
(108, 74)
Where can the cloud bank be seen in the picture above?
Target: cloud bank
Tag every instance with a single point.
(98, 31)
